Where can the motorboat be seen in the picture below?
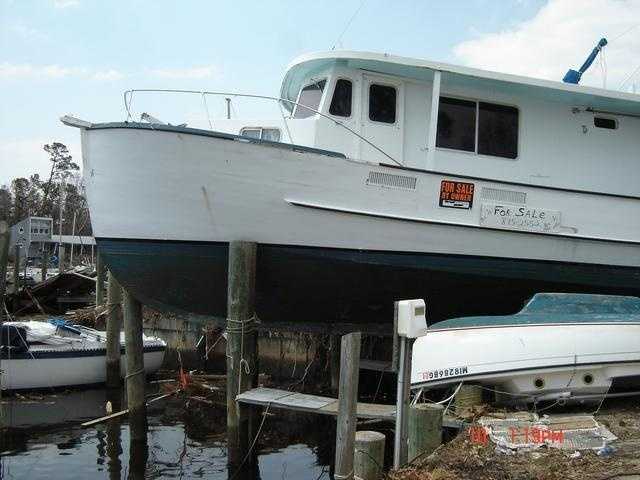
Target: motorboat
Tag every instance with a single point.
(558, 347)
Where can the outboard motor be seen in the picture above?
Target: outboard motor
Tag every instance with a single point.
(13, 340)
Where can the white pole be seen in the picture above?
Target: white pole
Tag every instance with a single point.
(433, 120)
(400, 448)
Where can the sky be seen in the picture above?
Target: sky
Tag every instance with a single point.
(77, 57)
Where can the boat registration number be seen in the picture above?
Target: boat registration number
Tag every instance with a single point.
(518, 217)
(444, 373)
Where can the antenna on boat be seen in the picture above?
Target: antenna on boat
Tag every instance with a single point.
(573, 76)
(346, 27)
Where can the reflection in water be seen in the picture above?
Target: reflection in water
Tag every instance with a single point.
(181, 443)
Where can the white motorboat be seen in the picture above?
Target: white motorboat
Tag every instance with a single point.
(560, 346)
(38, 355)
(386, 178)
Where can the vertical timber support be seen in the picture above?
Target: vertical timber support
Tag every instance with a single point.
(433, 120)
(99, 280)
(16, 269)
(347, 405)
(368, 457)
(44, 267)
(135, 378)
(62, 266)
(425, 429)
(4, 259)
(114, 324)
(242, 348)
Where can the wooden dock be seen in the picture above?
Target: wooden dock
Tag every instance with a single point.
(303, 402)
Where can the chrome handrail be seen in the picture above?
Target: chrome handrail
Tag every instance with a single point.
(128, 99)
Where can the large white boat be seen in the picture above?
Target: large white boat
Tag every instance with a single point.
(385, 178)
(40, 355)
(559, 346)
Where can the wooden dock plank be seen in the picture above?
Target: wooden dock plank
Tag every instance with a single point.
(322, 405)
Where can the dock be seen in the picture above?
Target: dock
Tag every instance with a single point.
(302, 402)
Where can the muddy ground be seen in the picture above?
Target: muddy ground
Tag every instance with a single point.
(463, 459)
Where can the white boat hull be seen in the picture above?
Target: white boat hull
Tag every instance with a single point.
(49, 371)
(165, 201)
(536, 361)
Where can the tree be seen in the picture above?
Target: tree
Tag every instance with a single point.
(62, 167)
(6, 204)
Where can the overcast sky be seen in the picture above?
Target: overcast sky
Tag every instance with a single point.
(78, 56)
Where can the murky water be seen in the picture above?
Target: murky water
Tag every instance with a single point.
(47, 441)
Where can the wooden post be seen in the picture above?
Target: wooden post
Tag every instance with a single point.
(4, 259)
(425, 429)
(99, 280)
(347, 405)
(62, 266)
(242, 347)
(468, 396)
(45, 265)
(114, 324)
(16, 269)
(368, 457)
(135, 379)
(334, 363)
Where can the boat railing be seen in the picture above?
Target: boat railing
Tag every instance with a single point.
(128, 100)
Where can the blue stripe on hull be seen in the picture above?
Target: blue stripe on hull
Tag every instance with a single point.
(305, 284)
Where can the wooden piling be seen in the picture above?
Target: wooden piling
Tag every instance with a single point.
(44, 265)
(16, 269)
(347, 404)
(425, 429)
(135, 379)
(114, 324)
(100, 274)
(242, 348)
(368, 457)
(62, 258)
(4, 259)
(334, 363)
(468, 396)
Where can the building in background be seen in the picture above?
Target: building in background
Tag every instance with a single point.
(35, 235)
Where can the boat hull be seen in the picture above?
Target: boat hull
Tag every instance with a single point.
(348, 236)
(531, 361)
(54, 368)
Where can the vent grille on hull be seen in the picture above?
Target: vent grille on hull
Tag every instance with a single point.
(499, 195)
(390, 180)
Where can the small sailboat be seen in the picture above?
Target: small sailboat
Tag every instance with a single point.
(559, 346)
(36, 355)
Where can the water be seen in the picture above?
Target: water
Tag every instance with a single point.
(47, 441)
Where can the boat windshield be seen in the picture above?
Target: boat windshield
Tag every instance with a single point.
(310, 96)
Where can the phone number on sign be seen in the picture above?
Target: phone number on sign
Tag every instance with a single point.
(444, 373)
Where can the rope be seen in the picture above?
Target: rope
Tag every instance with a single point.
(253, 443)
(247, 326)
(137, 372)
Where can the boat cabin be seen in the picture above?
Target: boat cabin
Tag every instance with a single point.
(446, 118)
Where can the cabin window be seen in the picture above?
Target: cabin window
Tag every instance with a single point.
(310, 96)
(497, 130)
(603, 122)
(382, 103)
(271, 134)
(456, 124)
(341, 101)
(478, 127)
